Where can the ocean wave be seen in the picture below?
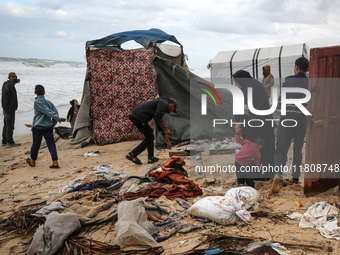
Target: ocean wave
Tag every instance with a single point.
(63, 80)
(41, 63)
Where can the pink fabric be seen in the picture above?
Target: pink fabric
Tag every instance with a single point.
(249, 154)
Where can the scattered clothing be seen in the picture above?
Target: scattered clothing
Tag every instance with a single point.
(168, 182)
(322, 216)
(95, 185)
(50, 237)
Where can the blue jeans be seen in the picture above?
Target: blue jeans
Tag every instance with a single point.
(38, 134)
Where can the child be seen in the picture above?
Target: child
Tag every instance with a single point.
(73, 112)
(249, 155)
(45, 118)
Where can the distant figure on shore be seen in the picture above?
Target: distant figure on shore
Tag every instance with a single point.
(73, 112)
(268, 79)
(45, 118)
(9, 102)
(140, 115)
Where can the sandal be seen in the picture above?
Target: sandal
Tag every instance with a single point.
(29, 162)
(152, 160)
(54, 166)
(133, 159)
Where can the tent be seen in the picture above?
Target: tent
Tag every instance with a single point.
(118, 79)
(281, 59)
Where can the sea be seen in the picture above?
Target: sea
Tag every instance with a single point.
(63, 82)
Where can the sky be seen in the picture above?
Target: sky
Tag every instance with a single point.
(59, 29)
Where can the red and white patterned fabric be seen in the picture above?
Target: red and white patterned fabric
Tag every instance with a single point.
(119, 80)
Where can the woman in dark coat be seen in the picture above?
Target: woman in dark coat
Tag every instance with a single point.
(243, 80)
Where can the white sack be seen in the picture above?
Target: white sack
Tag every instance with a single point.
(133, 227)
(222, 210)
(248, 195)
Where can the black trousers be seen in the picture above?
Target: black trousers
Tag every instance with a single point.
(38, 134)
(284, 137)
(147, 143)
(244, 178)
(7, 131)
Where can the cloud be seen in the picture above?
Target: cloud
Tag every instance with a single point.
(203, 27)
(52, 4)
(61, 34)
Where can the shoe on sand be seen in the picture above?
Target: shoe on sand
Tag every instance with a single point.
(152, 160)
(133, 159)
(30, 162)
(13, 144)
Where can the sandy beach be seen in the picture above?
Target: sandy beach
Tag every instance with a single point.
(22, 185)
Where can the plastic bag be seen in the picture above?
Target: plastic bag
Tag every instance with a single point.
(222, 210)
(248, 195)
(133, 227)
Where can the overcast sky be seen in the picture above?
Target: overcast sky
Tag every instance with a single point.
(58, 29)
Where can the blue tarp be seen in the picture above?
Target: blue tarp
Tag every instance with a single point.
(144, 37)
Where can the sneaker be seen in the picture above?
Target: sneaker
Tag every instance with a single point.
(13, 144)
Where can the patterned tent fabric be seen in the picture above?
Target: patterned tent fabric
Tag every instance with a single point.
(119, 80)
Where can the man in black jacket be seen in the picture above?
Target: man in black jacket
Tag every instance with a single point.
(297, 133)
(141, 115)
(9, 101)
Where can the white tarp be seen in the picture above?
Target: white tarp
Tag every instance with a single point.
(281, 60)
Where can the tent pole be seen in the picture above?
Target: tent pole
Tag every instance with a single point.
(253, 61)
(257, 64)
(280, 78)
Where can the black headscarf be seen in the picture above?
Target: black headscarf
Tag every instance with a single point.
(71, 110)
(260, 96)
